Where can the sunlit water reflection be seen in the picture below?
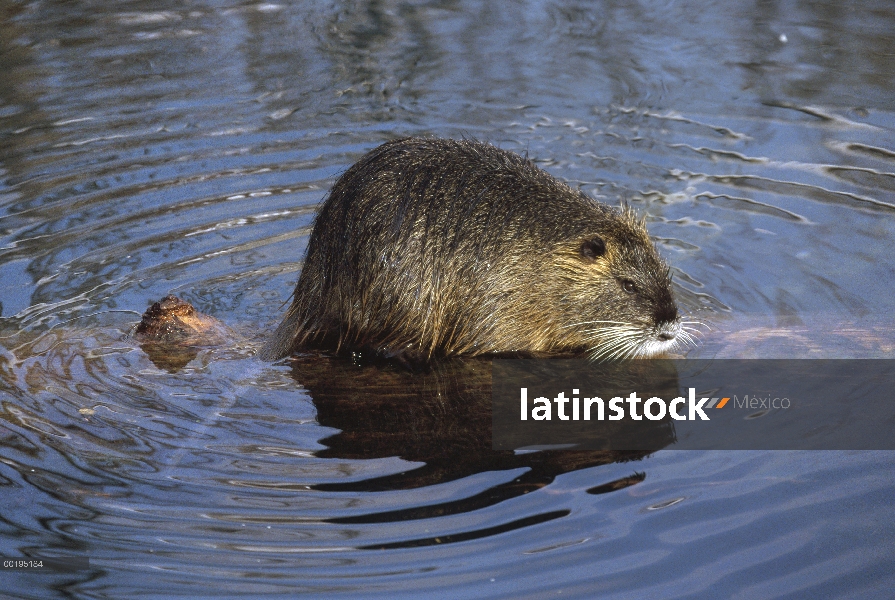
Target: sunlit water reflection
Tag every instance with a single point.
(148, 149)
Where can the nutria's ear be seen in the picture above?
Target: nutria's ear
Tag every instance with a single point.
(593, 248)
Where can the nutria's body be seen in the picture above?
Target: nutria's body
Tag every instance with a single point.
(431, 247)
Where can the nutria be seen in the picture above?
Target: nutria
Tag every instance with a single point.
(436, 247)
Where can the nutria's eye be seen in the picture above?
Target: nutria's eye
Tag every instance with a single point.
(629, 286)
(593, 248)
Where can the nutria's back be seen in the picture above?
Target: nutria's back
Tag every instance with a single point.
(430, 247)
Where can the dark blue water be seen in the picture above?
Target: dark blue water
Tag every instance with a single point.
(155, 148)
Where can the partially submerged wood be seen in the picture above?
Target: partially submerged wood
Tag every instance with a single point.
(172, 331)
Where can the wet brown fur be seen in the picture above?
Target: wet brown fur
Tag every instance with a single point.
(432, 247)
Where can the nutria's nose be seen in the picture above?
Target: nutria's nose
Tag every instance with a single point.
(665, 336)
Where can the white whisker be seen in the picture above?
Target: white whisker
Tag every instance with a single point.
(613, 340)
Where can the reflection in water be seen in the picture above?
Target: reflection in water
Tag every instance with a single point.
(183, 149)
(441, 419)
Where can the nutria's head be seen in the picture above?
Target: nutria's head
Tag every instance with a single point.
(617, 300)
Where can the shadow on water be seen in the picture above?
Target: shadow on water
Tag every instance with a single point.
(441, 418)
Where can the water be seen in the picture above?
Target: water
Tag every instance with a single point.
(149, 148)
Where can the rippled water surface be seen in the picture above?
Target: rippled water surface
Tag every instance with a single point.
(155, 148)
